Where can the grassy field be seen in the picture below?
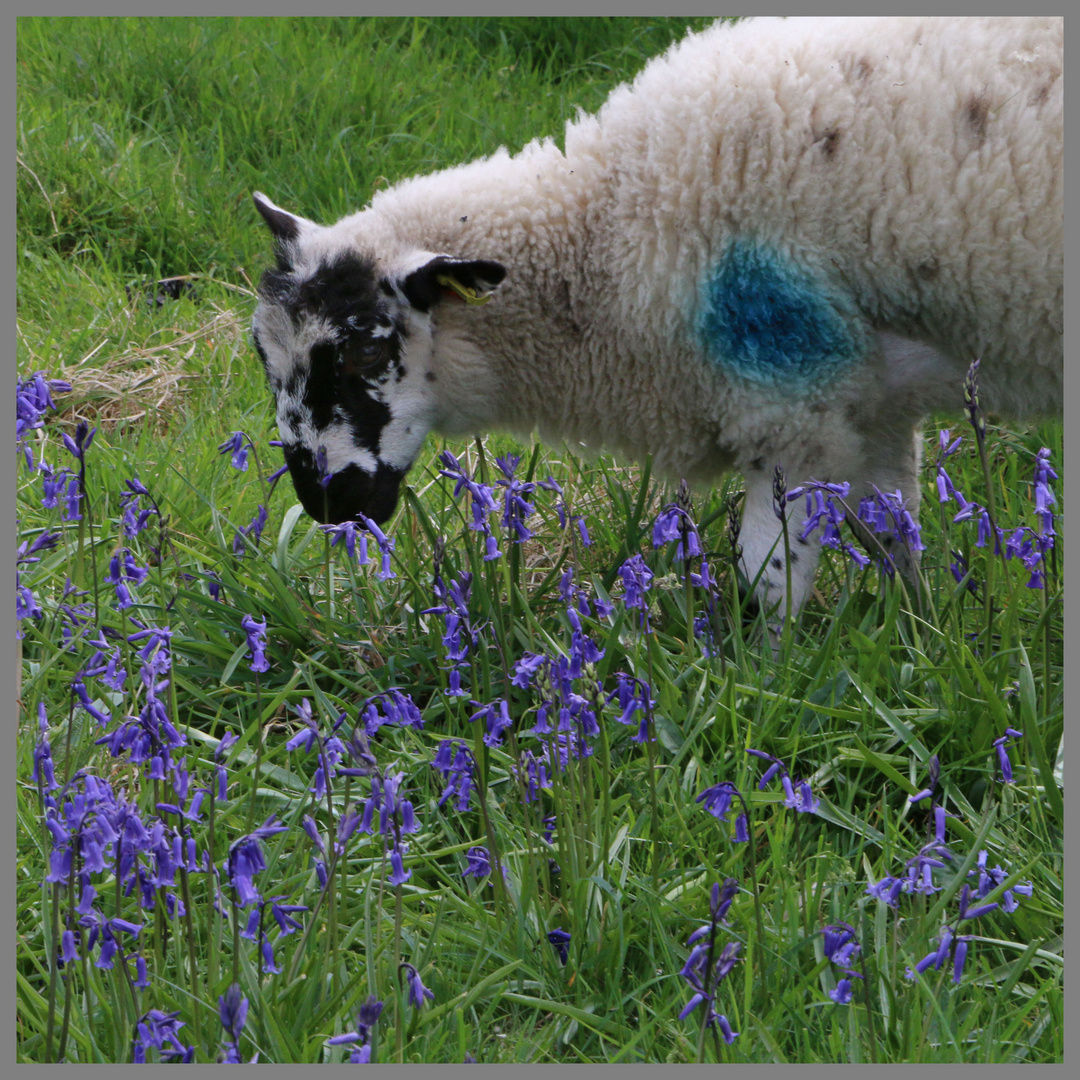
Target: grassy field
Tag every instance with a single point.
(284, 802)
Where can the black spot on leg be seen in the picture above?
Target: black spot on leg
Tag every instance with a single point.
(976, 116)
(777, 563)
(802, 541)
(794, 557)
(430, 376)
(828, 142)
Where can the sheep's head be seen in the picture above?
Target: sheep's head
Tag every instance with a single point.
(345, 336)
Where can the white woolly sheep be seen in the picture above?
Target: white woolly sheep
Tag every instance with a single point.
(783, 243)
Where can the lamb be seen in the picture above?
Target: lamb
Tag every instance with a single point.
(782, 244)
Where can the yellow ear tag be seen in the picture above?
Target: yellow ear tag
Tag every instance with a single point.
(469, 295)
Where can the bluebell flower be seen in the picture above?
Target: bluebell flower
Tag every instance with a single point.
(634, 697)
(398, 874)
(33, 396)
(1002, 747)
(536, 774)
(253, 531)
(232, 1011)
(637, 580)
(77, 446)
(53, 486)
(256, 641)
(560, 941)
(840, 944)
(776, 765)
(237, 444)
(674, 523)
(496, 717)
(1044, 496)
(516, 508)
(526, 667)
(349, 533)
(455, 762)
(478, 863)
(246, 859)
(361, 1038)
(418, 992)
(842, 992)
(160, 1030)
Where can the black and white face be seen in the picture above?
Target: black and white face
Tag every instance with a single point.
(346, 341)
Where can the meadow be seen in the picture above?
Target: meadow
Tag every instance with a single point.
(520, 777)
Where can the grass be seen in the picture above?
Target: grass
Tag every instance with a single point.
(138, 144)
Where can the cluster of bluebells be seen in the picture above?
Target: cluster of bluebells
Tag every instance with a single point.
(96, 833)
(935, 856)
(822, 512)
(360, 1039)
(385, 811)
(482, 501)
(516, 507)
(886, 514)
(454, 762)
(1029, 546)
(232, 1011)
(675, 524)
(247, 858)
(460, 632)
(571, 698)
(354, 535)
(160, 1031)
(62, 487)
(719, 799)
(238, 446)
(841, 947)
(705, 968)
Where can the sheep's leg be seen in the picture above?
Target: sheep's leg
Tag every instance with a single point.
(763, 553)
(887, 460)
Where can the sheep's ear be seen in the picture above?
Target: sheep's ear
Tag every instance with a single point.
(470, 280)
(283, 225)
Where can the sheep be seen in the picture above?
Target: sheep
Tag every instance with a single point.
(782, 244)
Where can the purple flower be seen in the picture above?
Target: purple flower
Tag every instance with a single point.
(256, 641)
(516, 508)
(840, 944)
(1002, 747)
(349, 532)
(455, 762)
(232, 1009)
(674, 523)
(560, 941)
(159, 1030)
(252, 530)
(496, 717)
(718, 798)
(246, 859)
(1044, 497)
(418, 992)
(237, 444)
(361, 1038)
(637, 580)
(478, 863)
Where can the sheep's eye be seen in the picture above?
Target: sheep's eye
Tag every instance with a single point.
(362, 358)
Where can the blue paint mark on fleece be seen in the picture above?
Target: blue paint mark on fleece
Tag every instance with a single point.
(768, 320)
